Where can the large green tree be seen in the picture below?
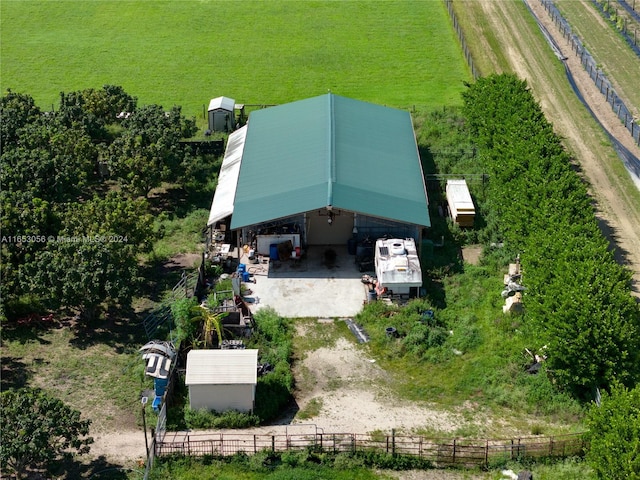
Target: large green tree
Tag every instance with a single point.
(16, 111)
(63, 238)
(94, 258)
(37, 430)
(148, 152)
(614, 435)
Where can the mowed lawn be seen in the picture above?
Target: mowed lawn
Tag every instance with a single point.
(400, 53)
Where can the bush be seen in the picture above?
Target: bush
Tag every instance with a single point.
(392, 462)
(273, 337)
(181, 311)
(614, 435)
(205, 419)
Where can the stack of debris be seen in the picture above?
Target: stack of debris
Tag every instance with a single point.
(159, 356)
(536, 360)
(513, 289)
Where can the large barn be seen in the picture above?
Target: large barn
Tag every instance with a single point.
(327, 170)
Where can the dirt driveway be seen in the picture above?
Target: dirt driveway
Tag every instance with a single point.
(350, 389)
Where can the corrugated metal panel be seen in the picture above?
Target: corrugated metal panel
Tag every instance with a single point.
(220, 367)
(223, 103)
(378, 169)
(222, 205)
(330, 150)
(284, 167)
(222, 397)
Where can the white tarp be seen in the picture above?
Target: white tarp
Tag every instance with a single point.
(224, 196)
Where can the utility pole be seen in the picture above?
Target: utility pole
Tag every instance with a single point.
(144, 425)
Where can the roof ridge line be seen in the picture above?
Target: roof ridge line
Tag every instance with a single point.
(331, 161)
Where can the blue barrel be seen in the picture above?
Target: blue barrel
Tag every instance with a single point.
(245, 276)
(160, 385)
(273, 251)
(242, 268)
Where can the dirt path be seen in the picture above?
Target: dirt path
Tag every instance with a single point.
(349, 388)
(346, 385)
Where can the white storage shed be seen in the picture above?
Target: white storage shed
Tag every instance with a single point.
(222, 380)
(460, 203)
(222, 114)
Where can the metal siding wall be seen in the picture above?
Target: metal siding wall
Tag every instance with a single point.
(222, 397)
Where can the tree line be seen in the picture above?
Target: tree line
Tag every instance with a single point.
(578, 302)
(70, 239)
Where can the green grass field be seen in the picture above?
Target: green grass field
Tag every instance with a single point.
(396, 53)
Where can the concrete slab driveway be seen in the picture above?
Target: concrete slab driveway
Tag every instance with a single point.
(318, 285)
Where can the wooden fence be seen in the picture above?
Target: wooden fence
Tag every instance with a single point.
(441, 452)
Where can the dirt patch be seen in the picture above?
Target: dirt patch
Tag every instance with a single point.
(471, 254)
(350, 388)
(184, 261)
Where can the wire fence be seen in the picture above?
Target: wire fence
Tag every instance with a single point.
(598, 77)
(624, 19)
(465, 49)
(440, 452)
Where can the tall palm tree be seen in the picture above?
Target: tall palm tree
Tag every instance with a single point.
(211, 323)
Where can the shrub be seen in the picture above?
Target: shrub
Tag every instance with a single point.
(273, 337)
(206, 419)
(181, 311)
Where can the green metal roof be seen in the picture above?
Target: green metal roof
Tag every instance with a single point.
(330, 150)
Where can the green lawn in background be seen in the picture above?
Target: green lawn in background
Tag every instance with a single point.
(396, 53)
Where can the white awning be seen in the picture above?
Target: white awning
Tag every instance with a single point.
(224, 196)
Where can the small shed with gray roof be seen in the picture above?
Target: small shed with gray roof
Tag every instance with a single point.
(222, 114)
(222, 380)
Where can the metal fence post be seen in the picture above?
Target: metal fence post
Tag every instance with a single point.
(453, 458)
(486, 453)
(393, 441)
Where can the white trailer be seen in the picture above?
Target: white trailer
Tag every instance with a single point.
(397, 265)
